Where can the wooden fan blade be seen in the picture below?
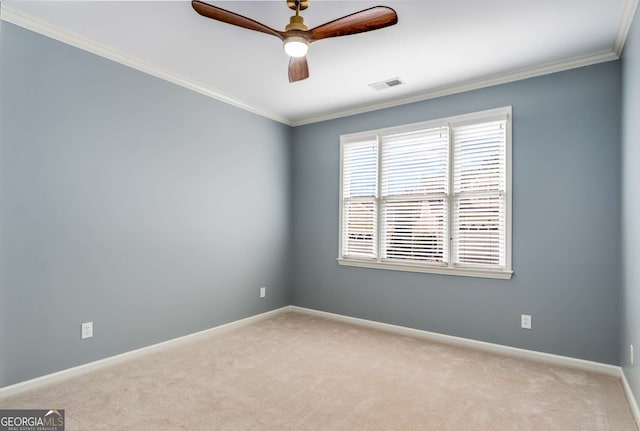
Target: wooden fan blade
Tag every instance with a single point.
(298, 69)
(359, 22)
(229, 17)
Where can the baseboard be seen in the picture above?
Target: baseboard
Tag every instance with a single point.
(565, 361)
(515, 352)
(127, 356)
(631, 398)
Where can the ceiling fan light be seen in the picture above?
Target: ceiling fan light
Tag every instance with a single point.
(296, 46)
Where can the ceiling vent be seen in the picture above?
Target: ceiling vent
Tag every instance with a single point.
(387, 83)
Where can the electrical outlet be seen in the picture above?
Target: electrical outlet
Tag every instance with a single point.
(525, 321)
(87, 330)
(263, 292)
(631, 353)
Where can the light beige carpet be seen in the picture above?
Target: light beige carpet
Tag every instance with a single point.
(298, 372)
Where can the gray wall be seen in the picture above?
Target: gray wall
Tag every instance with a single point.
(631, 206)
(566, 233)
(3, 311)
(146, 208)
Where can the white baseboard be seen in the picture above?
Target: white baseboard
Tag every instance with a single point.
(631, 398)
(515, 352)
(548, 358)
(564, 361)
(127, 356)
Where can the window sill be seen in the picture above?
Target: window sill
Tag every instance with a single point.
(394, 266)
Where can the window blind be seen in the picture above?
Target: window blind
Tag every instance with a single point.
(479, 194)
(429, 197)
(360, 192)
(414, 186)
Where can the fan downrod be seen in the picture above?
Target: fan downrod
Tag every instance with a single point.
(298, 4)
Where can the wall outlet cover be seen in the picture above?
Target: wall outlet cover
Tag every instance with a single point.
(525, 321)
(263, 292)
(87, 330)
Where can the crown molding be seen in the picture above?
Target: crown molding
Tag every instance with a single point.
(626, 20)
(12, 16)
(38, 26)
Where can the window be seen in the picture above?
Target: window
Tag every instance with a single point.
(429, 197)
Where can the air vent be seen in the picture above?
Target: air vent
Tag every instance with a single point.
(387, 83)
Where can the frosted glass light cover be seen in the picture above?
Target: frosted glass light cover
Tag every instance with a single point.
(296, 46)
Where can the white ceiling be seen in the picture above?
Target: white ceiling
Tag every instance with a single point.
(438, 47)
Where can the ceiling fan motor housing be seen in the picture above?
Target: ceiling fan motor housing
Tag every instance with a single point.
(296, 23)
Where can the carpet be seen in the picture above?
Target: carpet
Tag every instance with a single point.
(294, 371)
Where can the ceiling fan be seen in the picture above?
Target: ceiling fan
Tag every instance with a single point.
(296, 37)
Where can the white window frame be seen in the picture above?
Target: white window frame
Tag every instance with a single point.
(449, 268)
